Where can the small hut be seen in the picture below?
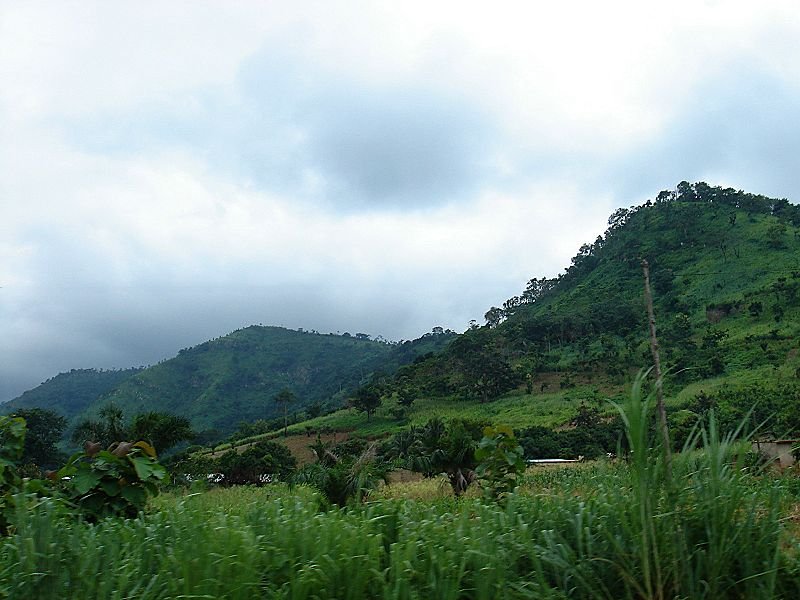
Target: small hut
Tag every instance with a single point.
(780, 451)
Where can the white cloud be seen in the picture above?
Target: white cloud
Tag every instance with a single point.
(172, 171)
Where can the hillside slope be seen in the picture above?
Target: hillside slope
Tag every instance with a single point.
(235, 378)
(70, 393)
(725, 271)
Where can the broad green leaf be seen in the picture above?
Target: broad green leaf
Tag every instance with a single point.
(110, 486)
(143, 465)
(135, 495)
(85, 480)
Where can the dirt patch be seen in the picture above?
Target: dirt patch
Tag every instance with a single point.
(299, 444)
(404, 476)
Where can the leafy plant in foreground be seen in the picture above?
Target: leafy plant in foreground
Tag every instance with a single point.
(12, 443)
(117, 481)
(500, 462)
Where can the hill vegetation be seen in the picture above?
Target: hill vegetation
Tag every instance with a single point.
(235, 378)
(712, 520)
(70, 393)
(725, 267)
(725, 271)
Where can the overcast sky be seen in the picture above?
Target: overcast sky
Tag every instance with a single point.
(171, 171)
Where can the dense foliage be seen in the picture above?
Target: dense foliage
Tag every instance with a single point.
(161, 430)
(44, 430)
(93, 484)
(767, 409)
(70, 393)
(726, 282)
(500, 462)
(256, 464)
(439, 447)
(575, 533)
(114, 482)
(233, 379)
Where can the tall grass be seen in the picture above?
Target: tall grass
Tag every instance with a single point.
(605, 531)
(712, 531)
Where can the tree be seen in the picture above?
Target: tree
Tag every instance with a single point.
(406, 396)
(314, 410)
(485, 373)
(44, 430)
(344, 479)
(367, 399)
(494, 316)
(105, 430)
(285, 397)
(775, 235)
(439, 448)
(256, 463)
(161, 430)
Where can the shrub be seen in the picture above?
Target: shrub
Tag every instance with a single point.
(257, 464)
(500, 462)
(117, 481)
(12, 443)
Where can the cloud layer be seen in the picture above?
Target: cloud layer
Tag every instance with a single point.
(170, 173)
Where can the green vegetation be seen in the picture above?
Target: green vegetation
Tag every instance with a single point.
(250, 465)
(711, 523)
(344, 474)
(70, 394)
(234, 379)
(44, 429)
(725, 268)
(112, 482)
(603, 531)
(500, 462)
(161, 430)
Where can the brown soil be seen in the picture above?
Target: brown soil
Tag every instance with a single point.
(299, 444)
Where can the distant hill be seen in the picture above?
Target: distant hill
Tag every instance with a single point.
(235, 378)
(72, 392)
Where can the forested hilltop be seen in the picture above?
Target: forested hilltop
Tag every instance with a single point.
(725, 272)
(235, 378)
(71, 393)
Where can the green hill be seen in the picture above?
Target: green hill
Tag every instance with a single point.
(235, 378)
(725, 273)
(72, 392)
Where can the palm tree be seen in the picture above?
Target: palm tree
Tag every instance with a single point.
(438, 448)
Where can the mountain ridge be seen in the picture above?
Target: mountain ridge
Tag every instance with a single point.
(725, 272)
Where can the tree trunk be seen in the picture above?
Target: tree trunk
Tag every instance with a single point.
(662, 413)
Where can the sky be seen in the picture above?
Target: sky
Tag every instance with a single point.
(172, 171)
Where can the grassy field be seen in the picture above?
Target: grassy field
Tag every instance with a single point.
(601, 530)
(519, 410)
